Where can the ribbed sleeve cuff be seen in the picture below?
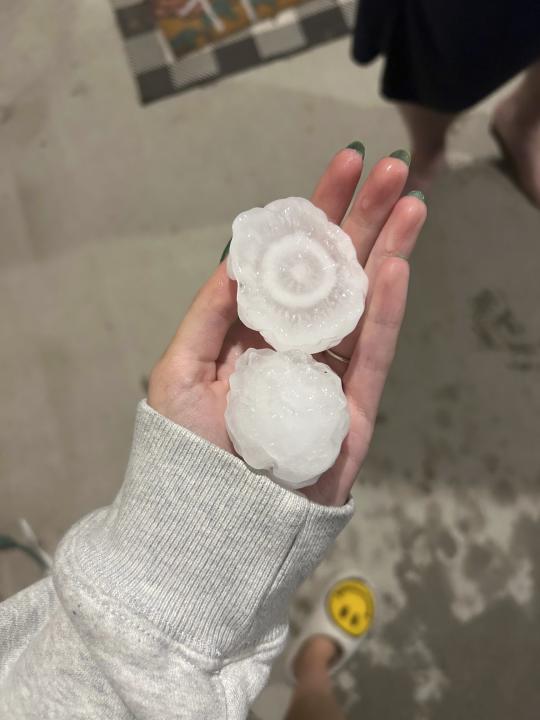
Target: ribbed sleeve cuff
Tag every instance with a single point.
(202, 546)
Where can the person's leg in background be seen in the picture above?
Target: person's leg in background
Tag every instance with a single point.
(516, 126)
(428, 130)
(314, 697)
(441, 58)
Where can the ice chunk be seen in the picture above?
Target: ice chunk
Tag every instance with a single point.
(286, 413)
(299, 281)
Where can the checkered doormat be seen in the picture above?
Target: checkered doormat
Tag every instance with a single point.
(160, 71)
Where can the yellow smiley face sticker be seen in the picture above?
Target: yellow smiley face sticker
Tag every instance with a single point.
(351, 605)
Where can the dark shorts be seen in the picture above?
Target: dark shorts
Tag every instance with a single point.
(447, 54)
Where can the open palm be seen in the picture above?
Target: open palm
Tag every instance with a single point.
(190, 383)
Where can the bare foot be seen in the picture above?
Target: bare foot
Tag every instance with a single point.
(315, 658)
(428, 130)
(518, 135)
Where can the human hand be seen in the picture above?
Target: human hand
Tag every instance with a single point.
(190, 382)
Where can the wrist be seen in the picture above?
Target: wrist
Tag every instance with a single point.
(207, 549)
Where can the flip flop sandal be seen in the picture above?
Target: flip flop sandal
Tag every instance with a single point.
(344, 612)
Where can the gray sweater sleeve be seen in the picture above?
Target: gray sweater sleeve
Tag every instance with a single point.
(170, 603)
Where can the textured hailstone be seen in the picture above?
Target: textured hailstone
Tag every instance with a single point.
(286, 413)
(299, 281)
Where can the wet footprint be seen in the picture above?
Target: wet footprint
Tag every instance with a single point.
(497, 329)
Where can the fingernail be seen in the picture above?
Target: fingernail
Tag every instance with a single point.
(418, 194)
(225, 252)
(358, 146)
(402, 155)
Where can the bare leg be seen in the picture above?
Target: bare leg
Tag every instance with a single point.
(314, 697)
(516, 122)
(427, 130)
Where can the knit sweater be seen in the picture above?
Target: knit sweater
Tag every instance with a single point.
(171, 602)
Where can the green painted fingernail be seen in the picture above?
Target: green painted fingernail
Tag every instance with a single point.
(225, 252)
(402, 155)
(358, 146)
(418, 194)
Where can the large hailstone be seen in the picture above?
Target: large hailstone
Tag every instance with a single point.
(286, 413)
(299, 282)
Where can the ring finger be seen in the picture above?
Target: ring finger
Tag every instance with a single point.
(397, 238)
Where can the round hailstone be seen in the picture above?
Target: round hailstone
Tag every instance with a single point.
(299, 281)
(286, 413)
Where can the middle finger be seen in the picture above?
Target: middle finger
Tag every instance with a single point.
(397, 238)
(375, 202)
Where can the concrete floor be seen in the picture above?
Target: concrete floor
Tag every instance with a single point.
(112, 215)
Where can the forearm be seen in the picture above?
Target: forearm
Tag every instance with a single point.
(173, 601)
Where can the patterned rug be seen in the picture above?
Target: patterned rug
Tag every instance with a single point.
(174, 45)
